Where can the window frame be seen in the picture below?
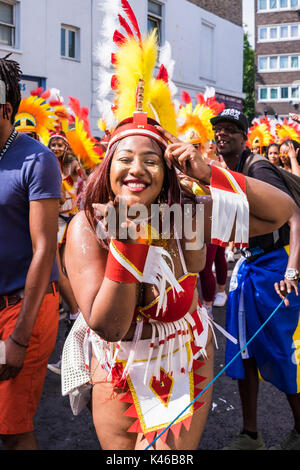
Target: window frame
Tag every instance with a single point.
(279, 98)
(76, 31)
(278, 7)
(278, 58)
(13, 26)
(157, 19)
(278, 37)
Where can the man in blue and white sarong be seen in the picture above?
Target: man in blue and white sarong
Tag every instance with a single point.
(274, 354)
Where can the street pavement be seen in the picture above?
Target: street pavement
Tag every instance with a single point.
(58, 429)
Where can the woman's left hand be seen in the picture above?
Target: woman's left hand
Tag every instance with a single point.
(185, 158)
(285, 287)
(292, 153)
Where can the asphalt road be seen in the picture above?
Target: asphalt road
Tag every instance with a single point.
(58, 429)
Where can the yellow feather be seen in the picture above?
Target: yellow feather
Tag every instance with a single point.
(135, 61)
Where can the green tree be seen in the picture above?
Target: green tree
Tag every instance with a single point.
(249, 80)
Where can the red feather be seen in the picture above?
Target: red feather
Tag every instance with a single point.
(125, 25)
(163, 74)
(37, 91)
(74, 104)
(131, 16)
(119, 38)
(113, 58)
(46, 94)
(114, 82)
(200, 98)
(185, 97)
(55, 102)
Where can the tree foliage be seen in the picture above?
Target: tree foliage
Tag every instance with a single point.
(249, 80)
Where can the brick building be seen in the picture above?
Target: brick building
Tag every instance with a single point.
(277, 56)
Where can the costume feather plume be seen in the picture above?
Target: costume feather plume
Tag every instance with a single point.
(43, 114)
(80, 140)
(185, 97)
(194, 123)
(135, 61)
(133, 58)
(132, 18)
(287, 131)
(259, 134)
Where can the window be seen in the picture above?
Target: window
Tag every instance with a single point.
(273, 63)
(155, 19)
(273, 93)
(263, 63)
(69, 42)
(280, 63)
(263, 93)
(279, 93)
(262, 4)
(273, 33)
(295, 31)
(263, 33)
(7, 24)
(284, 62)
(272, 5)
(284, 32)
(295, 62)
(207, 51)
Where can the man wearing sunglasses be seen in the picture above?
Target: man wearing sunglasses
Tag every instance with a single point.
(275, 352)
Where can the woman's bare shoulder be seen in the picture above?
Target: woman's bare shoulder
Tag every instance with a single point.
(82, 237)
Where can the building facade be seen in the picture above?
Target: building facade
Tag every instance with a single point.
(277, 52)
(55, 42)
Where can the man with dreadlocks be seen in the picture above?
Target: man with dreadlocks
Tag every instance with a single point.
(30, 185)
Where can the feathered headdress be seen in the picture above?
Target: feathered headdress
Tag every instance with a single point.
(260, 134)
(287, 131)
(36, 115)
(194, 124)
(139, 96)
(83, 145)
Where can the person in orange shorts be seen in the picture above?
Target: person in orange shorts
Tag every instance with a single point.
(30, 189)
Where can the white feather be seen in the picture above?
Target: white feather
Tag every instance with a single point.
(210, 92)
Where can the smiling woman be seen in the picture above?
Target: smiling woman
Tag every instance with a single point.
(143, 343)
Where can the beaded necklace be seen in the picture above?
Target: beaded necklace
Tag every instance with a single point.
(8, 143)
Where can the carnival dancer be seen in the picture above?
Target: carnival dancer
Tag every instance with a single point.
(77, 153)
(143, 345)
(30, 188)
(70, 172)
(273, 257)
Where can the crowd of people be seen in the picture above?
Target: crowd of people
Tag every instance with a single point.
(141, 361)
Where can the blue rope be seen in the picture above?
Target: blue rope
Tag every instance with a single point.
(218, 375)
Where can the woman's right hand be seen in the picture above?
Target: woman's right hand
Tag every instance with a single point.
(115, 219)
(295, 117)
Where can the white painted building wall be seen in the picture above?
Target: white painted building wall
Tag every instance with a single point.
(184, 25)
(38, 46)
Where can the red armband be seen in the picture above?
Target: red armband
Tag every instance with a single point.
(131, 263)
(230, 206)
(126, 261)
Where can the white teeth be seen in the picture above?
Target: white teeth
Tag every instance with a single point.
(136, 185)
